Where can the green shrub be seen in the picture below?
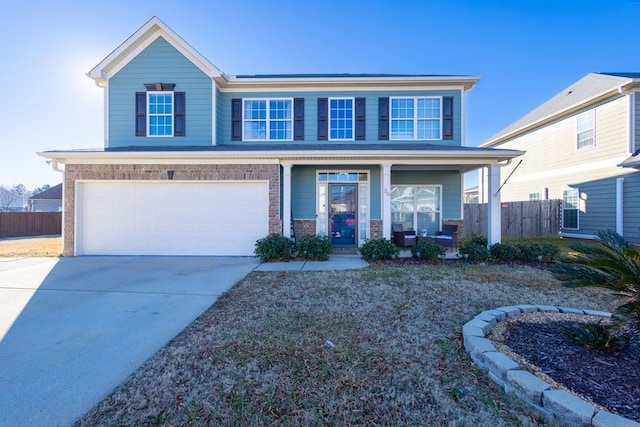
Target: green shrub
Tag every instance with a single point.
(274, 246)
(316, 248)
(428, 251)
(506, 251)
(378, 249)
(475, 247)
(530, 250)
(594, 335)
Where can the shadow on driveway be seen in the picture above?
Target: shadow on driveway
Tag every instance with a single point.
(72, 329)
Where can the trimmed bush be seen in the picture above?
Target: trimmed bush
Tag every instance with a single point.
(274, 246)
(530, 250)
(315, 248)
(506, 251)
(378, 249)
(427, 251)
(475, 247)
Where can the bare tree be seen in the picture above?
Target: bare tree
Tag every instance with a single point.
(7, 197)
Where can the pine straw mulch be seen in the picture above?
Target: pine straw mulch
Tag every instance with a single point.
(536, 340)
(377, 346)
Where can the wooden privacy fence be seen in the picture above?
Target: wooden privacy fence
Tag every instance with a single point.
(18, 224)
(520, 220)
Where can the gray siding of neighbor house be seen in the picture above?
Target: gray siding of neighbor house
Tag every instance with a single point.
(451, 182)
(223, 113)
(636, 103)
(160, 63)
(553, 163)
(631, 219)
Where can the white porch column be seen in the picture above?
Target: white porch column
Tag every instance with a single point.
(620, 206)
(286, 199)
(494, 224)
(386, 200)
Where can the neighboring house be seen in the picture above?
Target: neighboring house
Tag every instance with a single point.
(47, 201)
(471, 195)
(196, 161)
(582, 147)
(12, 202)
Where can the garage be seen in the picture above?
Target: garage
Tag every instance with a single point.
(170, 218)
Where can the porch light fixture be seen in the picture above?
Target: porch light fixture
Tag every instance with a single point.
(169, 175)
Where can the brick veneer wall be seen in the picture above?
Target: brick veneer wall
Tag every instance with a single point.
(375, 227)
(304, 227)
(146, 172)
(459, 223)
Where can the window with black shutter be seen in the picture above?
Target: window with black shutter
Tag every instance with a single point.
(160, 111)
(323, 123)
(447, 117)
(360, 118)
(236, 119)
(298, 119)
(383, 118)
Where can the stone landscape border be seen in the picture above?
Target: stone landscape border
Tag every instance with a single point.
(528, 387)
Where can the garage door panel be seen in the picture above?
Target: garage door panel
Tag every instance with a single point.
(177, 218)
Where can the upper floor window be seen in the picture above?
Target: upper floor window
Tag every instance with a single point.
(416, 118)
(267, 120)
(534, 197)
(160, 116)
(341, 119)
(160, 111)
(585, 128)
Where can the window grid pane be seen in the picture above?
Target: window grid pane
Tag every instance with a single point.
(416, 118)
(585, 124)
(160, 107)
(416, 208)
(268, 119)
(570, 210)
(341, 119)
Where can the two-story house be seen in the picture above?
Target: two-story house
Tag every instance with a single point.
(581, 146)
(196, 161)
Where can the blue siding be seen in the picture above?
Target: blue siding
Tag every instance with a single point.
(311, 113)
(160, 62)
(451, 182)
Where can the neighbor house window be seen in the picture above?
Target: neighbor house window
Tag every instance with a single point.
(160, 116)
(570, 209)
(534, 197)
(341, 119)
(416, 118)
(417, 208)
(267, 119)
(586, 129)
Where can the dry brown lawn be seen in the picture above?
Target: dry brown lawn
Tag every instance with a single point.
(39, 246)
(378, 346)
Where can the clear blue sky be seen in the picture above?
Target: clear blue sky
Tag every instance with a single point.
(525, 51)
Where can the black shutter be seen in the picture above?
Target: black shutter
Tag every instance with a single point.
(298, 119)
(447, 117)
(383, 118)
(236, 119)
(141, 114)
(360, 119)
(179, 114)
(323, 120)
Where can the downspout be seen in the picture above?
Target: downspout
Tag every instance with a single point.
(620, 206)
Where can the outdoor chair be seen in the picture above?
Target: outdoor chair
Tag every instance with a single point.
(401, 238)
(448, 237)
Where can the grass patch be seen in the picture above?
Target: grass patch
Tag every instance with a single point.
(40, 246)
(378, 346)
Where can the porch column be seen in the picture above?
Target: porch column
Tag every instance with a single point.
(286, 199)
(494, 224)
(386, 200)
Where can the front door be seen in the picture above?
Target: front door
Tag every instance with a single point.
(343, 204)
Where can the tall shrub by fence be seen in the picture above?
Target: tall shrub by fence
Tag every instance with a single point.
(18, 224)
(520, 220)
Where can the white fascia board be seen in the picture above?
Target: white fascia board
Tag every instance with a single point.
(139, 41)
(342, 84)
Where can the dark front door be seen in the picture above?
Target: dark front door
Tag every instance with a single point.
(343, 203)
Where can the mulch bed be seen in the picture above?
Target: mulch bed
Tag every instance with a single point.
(607, 379)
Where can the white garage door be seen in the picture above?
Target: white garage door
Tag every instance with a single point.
(170, 218)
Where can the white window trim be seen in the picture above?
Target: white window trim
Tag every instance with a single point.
(592, 112)
(172, 115)
(353, 119)
(577, 190)
(415, 217)
(415, 118)
(268, 119)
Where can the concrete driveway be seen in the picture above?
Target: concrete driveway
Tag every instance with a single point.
(72, 329)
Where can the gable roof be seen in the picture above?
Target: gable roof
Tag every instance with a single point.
(53, 193)
(589, 90)
(139, 41)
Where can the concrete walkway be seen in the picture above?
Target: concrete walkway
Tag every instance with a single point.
(72, 329)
